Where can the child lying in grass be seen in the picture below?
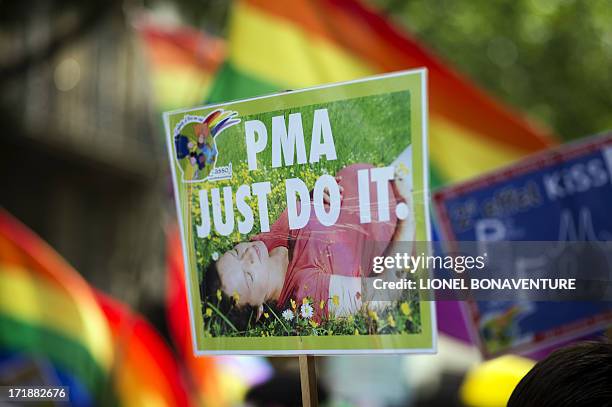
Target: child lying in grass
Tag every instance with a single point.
(324, 265)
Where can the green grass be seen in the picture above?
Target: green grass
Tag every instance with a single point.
(373, 130)
(385, 119)
(401, 317)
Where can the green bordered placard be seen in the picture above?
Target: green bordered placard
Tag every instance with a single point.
(272, 211)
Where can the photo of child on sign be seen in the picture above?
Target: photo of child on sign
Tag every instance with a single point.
(312, 275)
(284, 246)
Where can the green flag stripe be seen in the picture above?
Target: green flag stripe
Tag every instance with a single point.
(231, 83)
(66, 354)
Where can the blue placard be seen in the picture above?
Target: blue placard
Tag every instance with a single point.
(559, 195)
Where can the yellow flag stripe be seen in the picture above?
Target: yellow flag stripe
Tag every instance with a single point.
(38, 303)
(458, 154)
(176, 87)
(276, 51)
(279, 52)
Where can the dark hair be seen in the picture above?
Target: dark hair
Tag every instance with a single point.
(239, 316)
(579, 375)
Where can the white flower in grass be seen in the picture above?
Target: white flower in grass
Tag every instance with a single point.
(288, 315)
(306, 310)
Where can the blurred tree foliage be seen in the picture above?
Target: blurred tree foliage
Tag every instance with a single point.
(549, 58)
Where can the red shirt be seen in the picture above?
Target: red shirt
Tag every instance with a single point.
(346, 248)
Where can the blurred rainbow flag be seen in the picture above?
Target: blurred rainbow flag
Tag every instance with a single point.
(57, 330)
(275, 45)
(182, 63)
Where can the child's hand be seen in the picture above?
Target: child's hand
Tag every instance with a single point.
(402, 183)
(326, 198)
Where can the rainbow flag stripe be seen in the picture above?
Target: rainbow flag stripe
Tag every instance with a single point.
(203, 371)
(182, 64)
(49, 312)
(145, 372)
(276, 45)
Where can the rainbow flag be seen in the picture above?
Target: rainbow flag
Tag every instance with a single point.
(182, 63)
(144, 372)
(60, 331)
(275, 45)
(203, 371)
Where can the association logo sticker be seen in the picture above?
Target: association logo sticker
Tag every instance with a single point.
(195, 146)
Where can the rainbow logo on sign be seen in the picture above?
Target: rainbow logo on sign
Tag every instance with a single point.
(195, 147)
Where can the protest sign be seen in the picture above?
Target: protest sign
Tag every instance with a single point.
(283, 202)
(561, 195)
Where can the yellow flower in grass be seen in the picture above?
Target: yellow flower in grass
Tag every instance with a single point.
(313, 324)
(391, 321)
(373, 315)
(336, 300)
(293, 304)
(208, 312)
(218, 295)
(266, 315)
(322, 304)
(405, 308)
(236, 296)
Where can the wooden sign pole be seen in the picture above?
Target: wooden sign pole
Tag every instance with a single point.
(308, 378)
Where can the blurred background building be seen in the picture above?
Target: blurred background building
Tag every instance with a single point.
(82, 161)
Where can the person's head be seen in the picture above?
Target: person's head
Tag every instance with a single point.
(245, 273)
(579, 375)
(212, 292)
(243, 279)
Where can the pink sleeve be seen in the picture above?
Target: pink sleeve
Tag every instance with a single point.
(309, 283)
(278, 235)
